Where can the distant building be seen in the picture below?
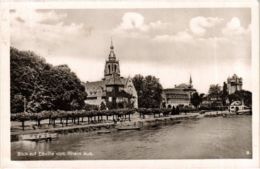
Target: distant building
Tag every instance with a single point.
(211, 101)
(113, 90)
(179, 95)
(234, 84)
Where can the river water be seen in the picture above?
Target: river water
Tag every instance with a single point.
(206, 138)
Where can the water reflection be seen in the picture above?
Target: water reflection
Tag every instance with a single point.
(204, 138)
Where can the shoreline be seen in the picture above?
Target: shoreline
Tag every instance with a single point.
(109, 126)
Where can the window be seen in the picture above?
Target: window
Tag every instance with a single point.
(108, 69)
(109, 89)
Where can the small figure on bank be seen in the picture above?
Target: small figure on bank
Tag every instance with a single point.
(173, 110)
(177, 110)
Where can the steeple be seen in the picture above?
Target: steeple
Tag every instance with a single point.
(112, 55)
(111, 44)
(112, 64)
(190, 82)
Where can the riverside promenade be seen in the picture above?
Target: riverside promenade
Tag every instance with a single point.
(109, 125)
(148, 121)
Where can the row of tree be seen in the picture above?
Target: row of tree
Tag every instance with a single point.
(74, 116)
(77, 116)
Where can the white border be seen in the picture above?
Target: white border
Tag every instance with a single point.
(113, 164)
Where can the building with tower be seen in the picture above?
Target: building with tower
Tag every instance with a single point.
(234, 84)
(113, 90)
(112, 64)
(179, 95)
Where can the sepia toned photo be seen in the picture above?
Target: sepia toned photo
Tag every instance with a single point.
(123, 84)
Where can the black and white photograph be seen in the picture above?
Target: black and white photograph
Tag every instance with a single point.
(132, 83)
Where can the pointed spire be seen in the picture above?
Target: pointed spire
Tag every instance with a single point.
(112, 54)
(190, 85)
(111, 45)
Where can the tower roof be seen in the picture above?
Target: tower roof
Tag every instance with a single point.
(112, 55)
(190, 82)
(111, 45)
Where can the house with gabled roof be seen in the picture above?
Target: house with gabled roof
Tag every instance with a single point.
(113, 90)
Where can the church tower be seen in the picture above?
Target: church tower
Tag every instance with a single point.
(112, 64)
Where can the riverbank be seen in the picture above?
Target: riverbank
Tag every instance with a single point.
(108, 126)
(141, 123)
(215, 113)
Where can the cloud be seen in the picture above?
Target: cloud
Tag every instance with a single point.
(133, 25)
(197, 30)
(199, 25)
(233, 27)
(201, 45)
(200, 42)
(209, 31)
(45, 32)
(182, 36)
(159, 25)
(33, 17)
(132, 21)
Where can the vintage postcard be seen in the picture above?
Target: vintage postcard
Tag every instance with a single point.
(130, 85)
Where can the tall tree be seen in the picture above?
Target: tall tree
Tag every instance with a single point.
(149, 91)
(224, 93)
(196, 99)
(138, 82)
(214, 90)
(41, 86)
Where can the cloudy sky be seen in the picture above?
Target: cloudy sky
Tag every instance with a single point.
(171, 44)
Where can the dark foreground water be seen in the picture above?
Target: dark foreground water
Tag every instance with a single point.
(193, 139)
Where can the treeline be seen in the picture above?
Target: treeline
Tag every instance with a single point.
(37, 85)
(77, 116)
(215, 91)
(65, 116)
